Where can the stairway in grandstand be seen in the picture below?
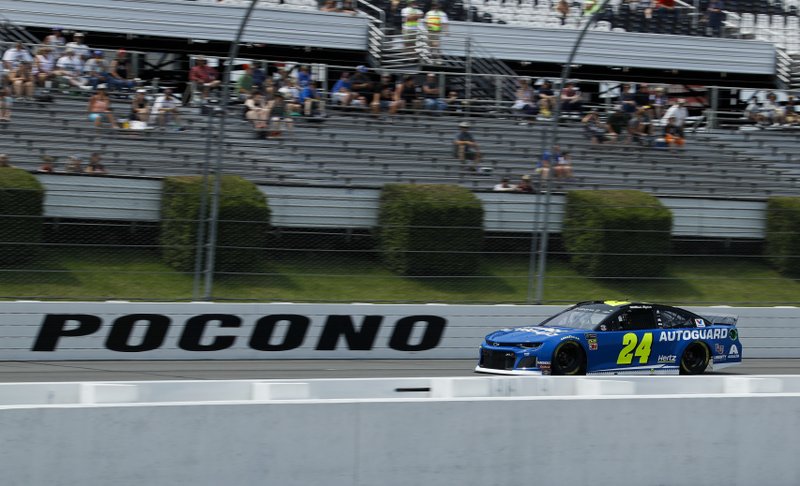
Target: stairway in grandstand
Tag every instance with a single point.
(357, 150)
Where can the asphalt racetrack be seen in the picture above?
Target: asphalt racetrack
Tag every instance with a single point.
(49, 371)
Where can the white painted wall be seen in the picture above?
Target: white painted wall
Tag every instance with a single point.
(765, 332)
(576, 434)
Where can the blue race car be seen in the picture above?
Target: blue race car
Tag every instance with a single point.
(613, 338)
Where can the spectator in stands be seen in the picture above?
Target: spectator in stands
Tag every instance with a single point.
(95, 70)
(715, 17)
(120, 71)
(362, 87)
(677, 112)
(257, 110)
(571, 98)
(329, 6)
(666, 15)
(69, 68)
(673, 134)
(546, 99)
(259, 78)
(22, 80)
(99, 107)
(56, 41)
(47, 165)
(504, 186)
(658, 101)
(81, 50)
(279, 118)
(349, 7)
(383, 97)
(140, 106)
(593, 127)
(74, 165)
(303, 76)
(466, 148)
(770, 113)
(542, 169)
(204, 77)
(44, 65)
(642, 95)
(4, 162)
(312, 102)
(628, 101)
(524, 104)
(6, 102)
(14, 56)
(95, 166)
(436, 24)
(563, 168)
(617, 125)
(244, 85)
(406, 96)
(525, 185)
(341, 94)
(430, 92)
(644, 126)
(165, 110)
(281, 77)
(453, 103)
(411, 16)
(291, 96)
(791, 111)
(563, 11)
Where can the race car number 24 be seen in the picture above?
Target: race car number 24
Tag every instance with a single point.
(630, 348)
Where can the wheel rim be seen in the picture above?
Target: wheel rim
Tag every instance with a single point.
(566, 359)
(694, 358)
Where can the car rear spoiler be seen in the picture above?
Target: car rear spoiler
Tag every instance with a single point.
(724, 319)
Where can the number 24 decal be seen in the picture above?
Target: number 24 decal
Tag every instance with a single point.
(629, 342)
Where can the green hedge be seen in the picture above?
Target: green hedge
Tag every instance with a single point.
(21, 202)
(783, 234)
(617, 233)
(244, 217)
(430, 229)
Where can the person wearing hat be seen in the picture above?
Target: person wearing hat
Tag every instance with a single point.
(466, 148)
(525, 185)
(361, 87)
(411, 16)
(165, 110)
(69, 69)
(676, 115)
(96, 69)
(100, 107)
(74, 165)
(204, 77)
(81, 50)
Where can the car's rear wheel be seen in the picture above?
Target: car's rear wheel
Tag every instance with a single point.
(569, 359)
(695, 359)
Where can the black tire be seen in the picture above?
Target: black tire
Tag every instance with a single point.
(695, 358)
(569, 359)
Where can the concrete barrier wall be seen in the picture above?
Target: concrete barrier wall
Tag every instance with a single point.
(121, 330)
(604, 436)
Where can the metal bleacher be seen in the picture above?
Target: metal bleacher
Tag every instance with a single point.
(357, 150)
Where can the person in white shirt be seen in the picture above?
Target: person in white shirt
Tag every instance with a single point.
(411, 18)
(676, 115)
(56, 41)
(504, 186)
(165, 109)
(17, 54)
(81, 50)
(436, 25)
(44, 65)
(69, 68)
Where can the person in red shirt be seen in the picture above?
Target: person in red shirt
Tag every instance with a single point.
(204, 76)
(666, 15)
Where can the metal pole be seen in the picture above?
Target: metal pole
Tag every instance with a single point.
(565, 72)
(202, 220)
(226, 88)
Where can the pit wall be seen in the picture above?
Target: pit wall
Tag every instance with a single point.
(123, 330)
(462, 431)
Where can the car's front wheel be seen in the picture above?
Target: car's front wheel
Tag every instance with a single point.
(695, 359)
(569, 359)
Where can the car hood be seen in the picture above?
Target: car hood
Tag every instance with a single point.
(533, 334)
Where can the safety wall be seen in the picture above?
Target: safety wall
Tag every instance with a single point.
(740, 431)
(124, 330)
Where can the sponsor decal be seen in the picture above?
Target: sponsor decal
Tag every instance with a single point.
(540, 331)
(734, 334)
(591, 335)
(136, 333)
(569, 337)
(666, 358)
(720, 358)
(719, 349)
(592, 344)
(691, 334)
(603, 327)
(545, 367)
(699, 323)
(733, 352)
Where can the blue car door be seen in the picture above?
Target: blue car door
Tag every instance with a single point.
(628, 340)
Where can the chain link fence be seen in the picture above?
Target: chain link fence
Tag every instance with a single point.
(105, 238)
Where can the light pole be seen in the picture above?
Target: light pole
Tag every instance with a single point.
(551, 141)
(226, 89)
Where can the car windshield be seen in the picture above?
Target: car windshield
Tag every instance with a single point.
(584, 317)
